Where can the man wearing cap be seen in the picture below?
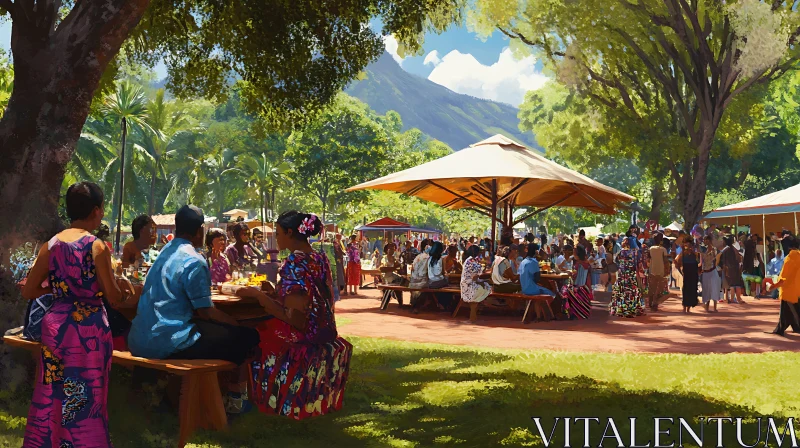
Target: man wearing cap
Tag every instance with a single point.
(176, 318)
(175, 310)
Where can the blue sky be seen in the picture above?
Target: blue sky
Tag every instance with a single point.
(457, 59)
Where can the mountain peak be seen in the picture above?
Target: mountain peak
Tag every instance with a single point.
(453, 118)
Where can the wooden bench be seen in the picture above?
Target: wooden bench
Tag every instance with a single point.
(200, 400)
(387, 288)
(507, 296)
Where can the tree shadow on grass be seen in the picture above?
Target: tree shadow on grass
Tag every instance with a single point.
(404, 397)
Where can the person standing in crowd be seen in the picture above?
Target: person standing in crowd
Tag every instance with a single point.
(689, 266)
(176, 319)
(473, 291)
(218, 262)
(730, 262)
(657, 276)
(239, 253)
(76, 341)
(611, 262)
(785, 234)
(354, 266)
(378, 246)
(143, 230)
(710, 279)
(789, 284)
(599, 270)
(338, 259)
(632, 235)
(578, 296)
(752, 265)
(582, 241)
(774, 268)
(364, 247)
(626, 298)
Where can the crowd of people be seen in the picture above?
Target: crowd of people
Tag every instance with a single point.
(78, 293)
(176, 319)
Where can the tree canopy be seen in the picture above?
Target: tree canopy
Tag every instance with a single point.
(291, 59)
(672, 67)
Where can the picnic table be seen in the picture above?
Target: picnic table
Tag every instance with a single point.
(376, 277)
(238, 307)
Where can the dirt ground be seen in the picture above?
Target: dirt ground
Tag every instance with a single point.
(734, 328)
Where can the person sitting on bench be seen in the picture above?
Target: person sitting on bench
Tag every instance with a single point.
(529, 277)
(503, 276)
(176, 318)
(389, 267)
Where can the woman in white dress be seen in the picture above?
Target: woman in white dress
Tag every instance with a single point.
(419, 275)
(711, 280)
(473, 291)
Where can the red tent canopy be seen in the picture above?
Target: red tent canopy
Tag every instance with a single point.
(387, 222)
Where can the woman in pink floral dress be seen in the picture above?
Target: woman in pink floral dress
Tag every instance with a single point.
(68, 409)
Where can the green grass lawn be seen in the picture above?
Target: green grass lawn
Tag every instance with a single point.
(403, 394)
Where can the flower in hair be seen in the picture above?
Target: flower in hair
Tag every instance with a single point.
(307, 226)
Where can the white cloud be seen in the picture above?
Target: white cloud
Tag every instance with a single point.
(432, 58)
(391, 47)
(506, 80)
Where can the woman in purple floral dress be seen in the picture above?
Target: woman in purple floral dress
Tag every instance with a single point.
(217, 260)
(68, 409)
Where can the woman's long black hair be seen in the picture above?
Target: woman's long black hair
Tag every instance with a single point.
(437, 249)
(473, 251)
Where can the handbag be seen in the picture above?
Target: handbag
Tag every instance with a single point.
(34, 314)
(438, 284)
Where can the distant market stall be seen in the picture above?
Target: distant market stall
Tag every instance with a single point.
(388, 229)
(769, 213)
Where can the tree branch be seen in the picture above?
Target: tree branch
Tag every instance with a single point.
(8, 6)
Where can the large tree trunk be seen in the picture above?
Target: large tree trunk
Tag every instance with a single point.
(694, 186)
(657, 194)
(57, 71)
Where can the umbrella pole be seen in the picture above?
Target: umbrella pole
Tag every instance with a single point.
(795, 224)
(764, 235)
(494, 215)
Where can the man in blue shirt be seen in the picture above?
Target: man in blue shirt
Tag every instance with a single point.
(529, 276)
(774, 268)
(175, 317)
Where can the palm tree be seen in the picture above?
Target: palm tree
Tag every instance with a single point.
(168, 121)
(264, 174)
(126, 106)
(99, 157)
(207, 178)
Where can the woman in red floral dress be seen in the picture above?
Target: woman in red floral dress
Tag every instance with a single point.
(302, 368)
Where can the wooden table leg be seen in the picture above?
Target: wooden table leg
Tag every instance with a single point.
(527, 308)
(387, 294)
(458, 307)
(187, 409)
(211, 407)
